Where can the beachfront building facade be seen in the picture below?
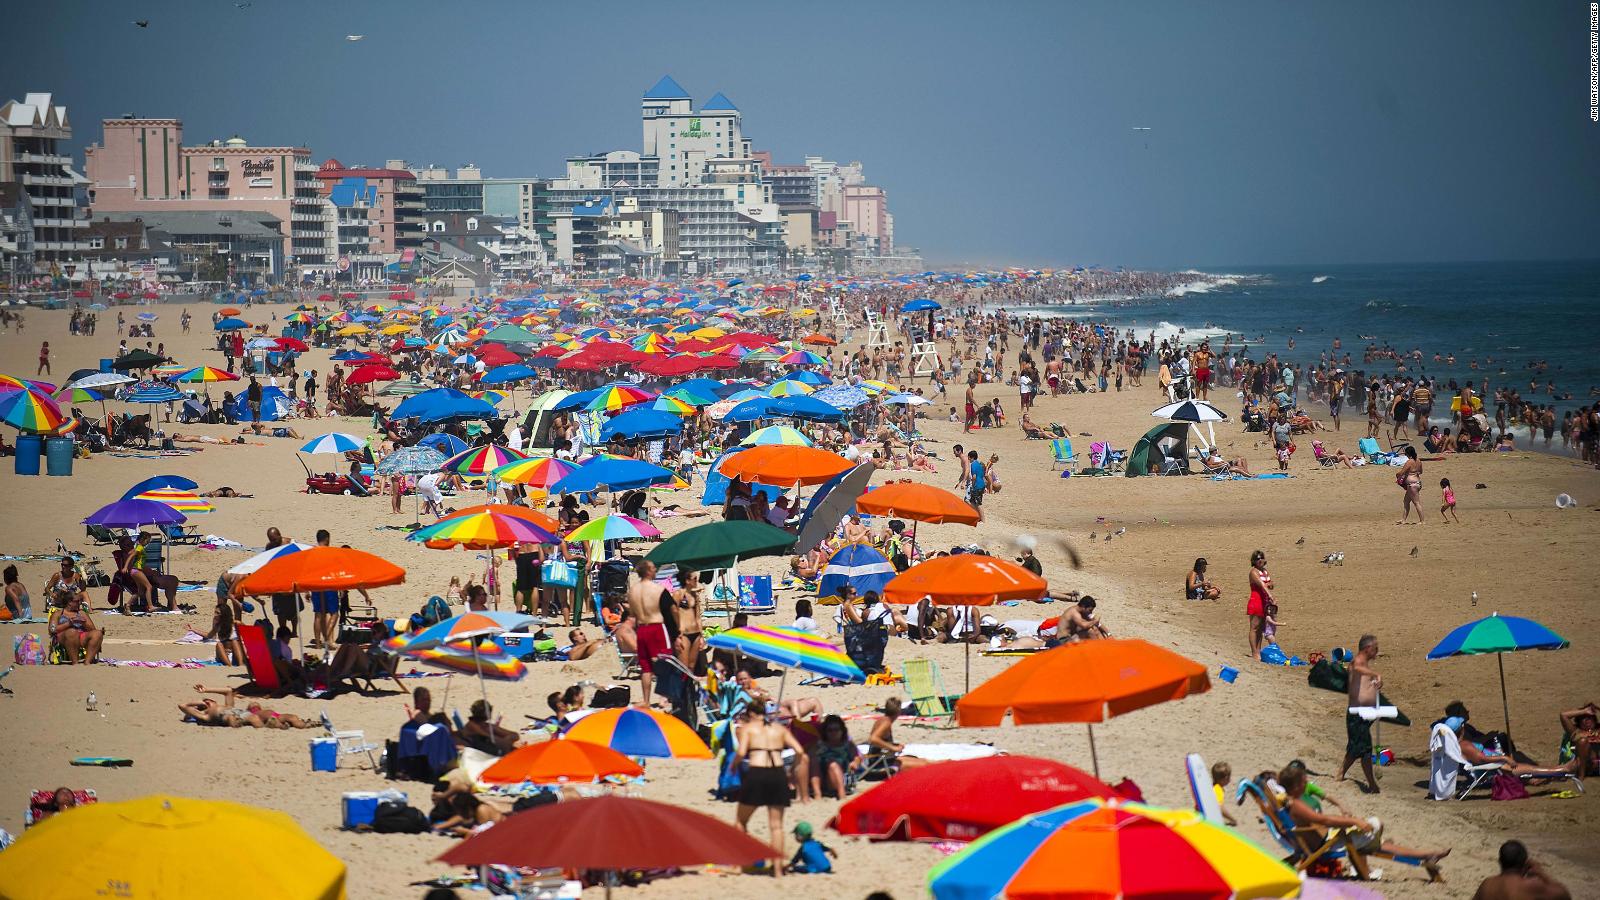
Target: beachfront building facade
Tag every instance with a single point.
(393, 197)
(45, 197)
(142, 166)
(243, 246)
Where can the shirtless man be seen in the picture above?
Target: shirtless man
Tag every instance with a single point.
(650, 628)
(854, 531)
(1520, 878)
(1079, 624)
(761, 744)
(972, 405)
(1364, 686)
(691, 629)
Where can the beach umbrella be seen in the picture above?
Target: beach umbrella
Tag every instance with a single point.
(809, 408)
(231, 324)
(537, 473)
(322, 569)
(618, 474)
(447, 444)
(411, 461)
(860, 566)
(618, 397)
(1087, 682)
(484, 659)
(964, 799)
(907, 400)
(1499, 635)
(639, 731)
(371, 372)
(613, 528)
(506, 509)
(776, 434)
(443, 404)
(336, 442)
(1193, 412)
(831, 503)
(639, 835)
(483, 531)
(560, 762)
(674, 405)
(964, 579)
(101, 380)
(137, 359)
(266, 556)
(134, 514)
(819, 340)
(84, 852)
(508, 374)
(917, 502)
(788, 388)
(789, 648)
(785, 465)
(153, 392)
(842, 396)
(30, 411)
(641, 423)
(1112, 849)
(720, 545)
(181, 500)
(481, 460)
(460, 629)
(733, 410)
(161, 481)
(206, 375)
(168, 371)
(802, 358)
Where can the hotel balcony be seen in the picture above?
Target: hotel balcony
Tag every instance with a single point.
(48, 159)
(51, 180)
(309, 168)
(307, 217)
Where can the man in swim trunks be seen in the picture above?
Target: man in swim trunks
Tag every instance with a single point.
(1202, 369)
(650, 628)
(1364, 684)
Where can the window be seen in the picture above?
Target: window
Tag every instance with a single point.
(122, 243)
(97, 243)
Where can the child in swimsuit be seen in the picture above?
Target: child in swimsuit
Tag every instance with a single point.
(1448, 510)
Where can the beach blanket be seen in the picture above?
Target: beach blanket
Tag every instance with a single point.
(102, 761)
(194, 663)
(217, 542)
(1234, 476)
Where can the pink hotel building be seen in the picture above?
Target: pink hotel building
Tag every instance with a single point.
(142, 165)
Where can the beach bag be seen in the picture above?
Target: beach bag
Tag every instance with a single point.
(1507, 786)
(393, 817)
(559, 573)
(436, 610)
(28, 650)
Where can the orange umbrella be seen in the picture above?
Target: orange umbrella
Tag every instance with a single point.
(918, 502)
(322, 569)
(1084, 682)
(819, 340)
(229, 311)
(966, 579)
(784, 465)
(559, 762)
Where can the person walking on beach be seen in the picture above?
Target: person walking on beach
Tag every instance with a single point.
(650, 626)
(253, 395)
(1409, 478)
(44, 359)
(1364, 686)
(972, 404)
(1255, 609)
(761, 744)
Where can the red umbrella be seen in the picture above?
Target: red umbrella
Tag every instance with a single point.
(348, 295)
(671, 365)
(295, 344)
(81, 294)
(638, 834)
(963, 800)
(367, 359)
(151, 295)
(372, 372)
(718, 361)
(494, 355)
(580, 362)
(122, 295)
(324, 298)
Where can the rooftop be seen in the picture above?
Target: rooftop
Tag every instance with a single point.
(667, 89)
(335, 169)
(242, 223)
(719, 102)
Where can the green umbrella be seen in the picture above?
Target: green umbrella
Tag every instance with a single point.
(719, 545)
(137, 359)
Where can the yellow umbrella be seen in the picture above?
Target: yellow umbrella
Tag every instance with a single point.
(171, 848)
(350, 330)
(395, 329)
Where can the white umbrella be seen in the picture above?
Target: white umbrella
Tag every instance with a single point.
(266, 556)
(1193, 412)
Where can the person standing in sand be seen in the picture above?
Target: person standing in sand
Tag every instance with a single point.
(1364, 686)
(765, 783)
(644, 602)
(1409, 478)
(1255, 609)
(691, 602)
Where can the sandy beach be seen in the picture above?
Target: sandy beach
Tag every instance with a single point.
(1409, 585)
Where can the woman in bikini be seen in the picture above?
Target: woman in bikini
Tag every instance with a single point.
(764, 781)
(881, 741)
(1410, 480)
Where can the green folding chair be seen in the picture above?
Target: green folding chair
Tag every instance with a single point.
(927, 691)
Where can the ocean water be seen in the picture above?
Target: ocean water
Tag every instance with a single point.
(1506, 316)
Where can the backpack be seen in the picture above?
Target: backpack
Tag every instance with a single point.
(435, 610)
(1507, 786)
(393, 817)
(28, 650)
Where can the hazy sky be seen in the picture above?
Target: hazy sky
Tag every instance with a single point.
(1003, 132)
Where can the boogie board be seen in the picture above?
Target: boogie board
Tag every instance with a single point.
(1205, 799)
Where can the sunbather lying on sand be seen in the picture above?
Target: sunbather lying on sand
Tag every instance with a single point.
(207, 711)
(1215, 464)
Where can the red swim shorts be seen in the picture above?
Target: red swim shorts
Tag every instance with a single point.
(652, 642)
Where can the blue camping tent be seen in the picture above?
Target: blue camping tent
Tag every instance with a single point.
(275, 405)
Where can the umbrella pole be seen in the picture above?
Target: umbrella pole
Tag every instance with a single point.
(479, 667)
(1505, 705)
(1094, 755)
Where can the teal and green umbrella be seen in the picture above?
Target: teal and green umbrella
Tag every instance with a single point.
(1498, 635)
(719, 545)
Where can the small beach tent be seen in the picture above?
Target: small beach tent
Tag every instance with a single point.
(275, 405)
(716, 491)
(1169, 441)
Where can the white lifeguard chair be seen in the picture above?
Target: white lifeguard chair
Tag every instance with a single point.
(877, 332)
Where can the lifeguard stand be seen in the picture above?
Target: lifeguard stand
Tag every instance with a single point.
(877, 332)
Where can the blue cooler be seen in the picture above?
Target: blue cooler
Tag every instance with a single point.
(58, 455)
(361, 806)
(325, 755)
(29, 447)
(105, 365)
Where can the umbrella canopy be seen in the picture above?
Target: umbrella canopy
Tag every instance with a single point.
(964, 799)
(1102, 848)
(481, 460)
(641, 422)
(442, 404)
(334, 443)
(180, 500)
(617, 397)
(776, 434)
(482, 531)
(79, 853)
(99, 380)
(860, 566)
(614, 474)
(411, 461)
(160, 481)
(206, 375)
(30, 411)
(785, 465)
(461, 628)
(920, 502)
(536, 472)
(1190, 411)
(135, 513)
(1499, 635)
(484, 659)
(560, 762)
(153, 392)
(966, 579)
(831, 503)
(506, 509)
(639, 731)
(717, 545)
(266, 556)
(322, 569)
(640, 834)
(447, 444)
(789, 648)
(613, 528)
(137, 359)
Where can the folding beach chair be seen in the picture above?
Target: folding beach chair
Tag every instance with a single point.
(258, 659)
(1307, 847)
(628, 661)
(1062, 454)
(1368, 447)
(181, 534)
(1446, 754)
(351, 741)
(927, 691)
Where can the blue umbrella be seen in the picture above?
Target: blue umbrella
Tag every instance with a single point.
(809, 377)
(615, 474)
(441, 404)
(448, 444)
(151, 392)
(156, 482)
(1499, 635)
(641, 422)
(841, 396)
(807, 407)
(921, 304)
(751, 410)
(577, 400)
(134, 513)
(347, 355)
(334, 443)
(231, 324)
(507, 374)
(858, 565)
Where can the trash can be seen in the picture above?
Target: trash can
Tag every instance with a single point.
(28, 448)
(105, 365)
(58, 455)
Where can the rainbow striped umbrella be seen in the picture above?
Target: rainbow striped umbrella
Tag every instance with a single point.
(481, 460)
(777, 434)
(485, 659)
(10, 383)
(789, 388)
(206, 375)
(789, 648)
(30, 410)
(170, 370)
(456, 629)
(537, 472)
(182, 501)
(618, 397)
(613, 528)
(482, 531)
(638, 731)
(802, 358)
(1107, 848)
(673, 405)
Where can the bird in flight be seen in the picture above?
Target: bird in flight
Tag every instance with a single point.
(142, 23)
(354, 37)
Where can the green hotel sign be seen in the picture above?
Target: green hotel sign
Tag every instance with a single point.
(694, 130)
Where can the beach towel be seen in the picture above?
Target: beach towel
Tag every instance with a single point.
(1446, 763)
(105, 762)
